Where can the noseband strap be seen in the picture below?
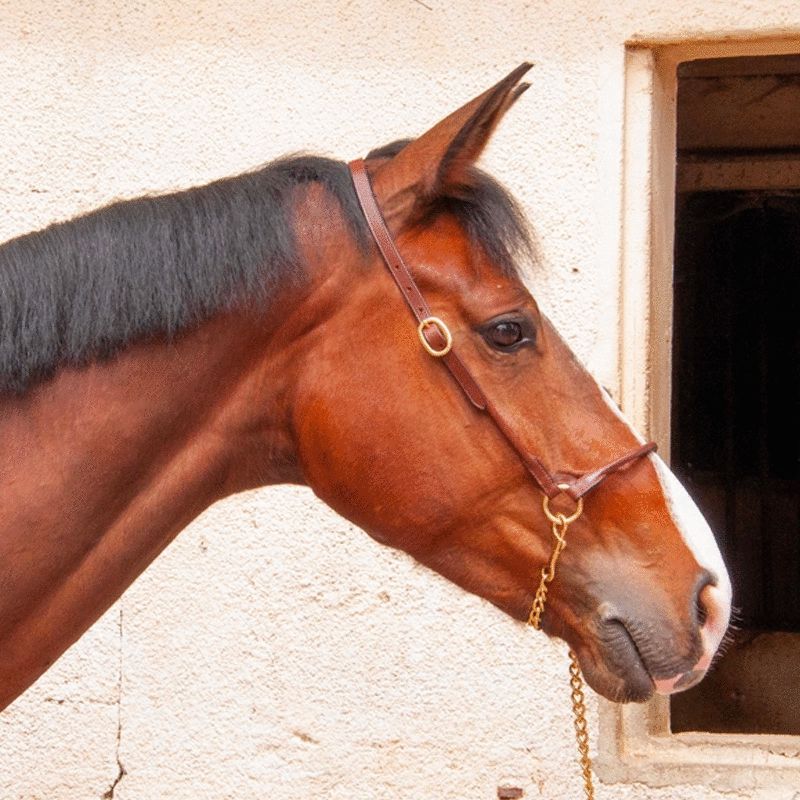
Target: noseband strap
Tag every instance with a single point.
(431, 328)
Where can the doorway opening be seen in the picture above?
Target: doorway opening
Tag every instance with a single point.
(735, 415)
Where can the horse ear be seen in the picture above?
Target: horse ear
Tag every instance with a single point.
(438, 162)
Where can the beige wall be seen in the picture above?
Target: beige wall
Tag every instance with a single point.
(274, 650)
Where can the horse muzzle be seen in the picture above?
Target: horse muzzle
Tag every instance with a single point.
(639, 652)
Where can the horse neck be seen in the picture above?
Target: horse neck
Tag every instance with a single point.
(102, 466)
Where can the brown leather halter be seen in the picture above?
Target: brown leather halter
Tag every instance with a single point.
(436, 339)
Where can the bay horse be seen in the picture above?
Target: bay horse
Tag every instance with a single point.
(161, 353)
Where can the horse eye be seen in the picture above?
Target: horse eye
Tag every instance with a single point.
(505, 334)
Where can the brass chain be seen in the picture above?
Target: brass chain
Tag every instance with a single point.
(559, 529)
(559, 524)
(581, 727)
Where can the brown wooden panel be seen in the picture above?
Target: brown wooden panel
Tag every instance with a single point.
(752, 690)
(739, 104)
(740, 66)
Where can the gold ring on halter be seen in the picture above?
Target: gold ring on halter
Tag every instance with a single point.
(559, 517)
(443, 330)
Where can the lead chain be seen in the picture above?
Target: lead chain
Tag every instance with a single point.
(559, 525)
(581, 726)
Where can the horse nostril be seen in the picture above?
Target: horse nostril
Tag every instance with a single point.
(700, 613)
(701, 609)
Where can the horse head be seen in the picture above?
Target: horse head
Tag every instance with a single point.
(385, 437)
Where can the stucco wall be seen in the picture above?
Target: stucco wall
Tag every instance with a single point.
(274, 650)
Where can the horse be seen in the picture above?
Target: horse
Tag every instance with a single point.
(161, 353)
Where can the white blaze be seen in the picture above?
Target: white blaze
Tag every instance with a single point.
(692, 525)
(687, 517)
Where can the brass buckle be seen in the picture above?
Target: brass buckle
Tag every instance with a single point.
(443, 329)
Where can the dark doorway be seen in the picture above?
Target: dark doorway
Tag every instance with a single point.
(736, 372)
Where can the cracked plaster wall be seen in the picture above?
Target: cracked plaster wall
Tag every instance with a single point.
(274, 650)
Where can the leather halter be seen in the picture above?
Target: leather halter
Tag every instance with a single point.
(574, 486)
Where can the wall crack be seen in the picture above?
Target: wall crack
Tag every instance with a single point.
(121, 771)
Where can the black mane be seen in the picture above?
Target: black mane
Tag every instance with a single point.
(82, 290)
